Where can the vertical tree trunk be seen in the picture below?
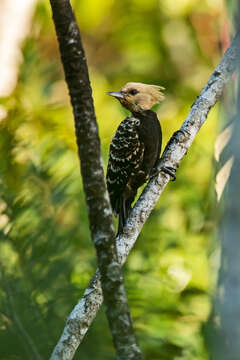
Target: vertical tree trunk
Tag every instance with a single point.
(99, 209)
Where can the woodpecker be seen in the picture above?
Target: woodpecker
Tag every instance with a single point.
(135, 148)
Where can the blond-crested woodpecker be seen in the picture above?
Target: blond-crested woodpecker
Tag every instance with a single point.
(135, 148)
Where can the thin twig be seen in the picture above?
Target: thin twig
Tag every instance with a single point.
(97, 199)
(27, 340)
(85, 311)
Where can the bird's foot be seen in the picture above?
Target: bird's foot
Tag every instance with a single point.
(183, 132)
(170, 171)
(167, 169)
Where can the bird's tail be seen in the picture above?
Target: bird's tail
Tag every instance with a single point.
(122, 216)
(124, 210)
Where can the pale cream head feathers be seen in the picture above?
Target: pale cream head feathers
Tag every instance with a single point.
(138, 97)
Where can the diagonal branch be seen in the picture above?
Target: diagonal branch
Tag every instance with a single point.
(97, 199)
(85, 311)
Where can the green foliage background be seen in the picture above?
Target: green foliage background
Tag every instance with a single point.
(47, 257)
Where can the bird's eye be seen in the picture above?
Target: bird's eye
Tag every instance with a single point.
(133, 92)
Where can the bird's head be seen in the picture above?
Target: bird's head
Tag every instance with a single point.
(138, 97)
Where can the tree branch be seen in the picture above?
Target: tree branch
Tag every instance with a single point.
(85, 311)
(97, 199)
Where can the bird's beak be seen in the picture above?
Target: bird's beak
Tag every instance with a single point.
(116, 94)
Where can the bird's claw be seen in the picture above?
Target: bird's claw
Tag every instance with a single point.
(167, 169)
(170, 171)
(184, 132)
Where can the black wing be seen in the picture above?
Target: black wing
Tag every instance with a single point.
(150, 133)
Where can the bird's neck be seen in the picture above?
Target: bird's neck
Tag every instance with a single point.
(144, 114)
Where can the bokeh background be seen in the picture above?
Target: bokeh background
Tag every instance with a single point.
(46, 253)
